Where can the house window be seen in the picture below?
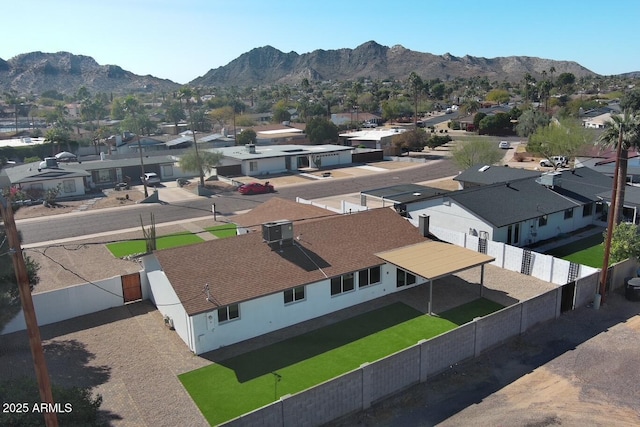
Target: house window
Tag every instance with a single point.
(69, 186)
(342, 284)
(293, 295)
(568, 213)
(227, 313)
(404, 278)
(369, 276)
(599, 207)
(542, 221)
(587, 210)
(104, 175)
(167, 170)
(253, 166)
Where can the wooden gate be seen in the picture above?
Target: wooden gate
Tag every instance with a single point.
(131, 287)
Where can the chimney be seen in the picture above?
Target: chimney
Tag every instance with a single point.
(251, 148)
(423, 225)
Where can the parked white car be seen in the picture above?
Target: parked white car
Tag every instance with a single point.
(557, 161)
(504, 145)
(150, 179)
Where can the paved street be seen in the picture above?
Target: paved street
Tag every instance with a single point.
(73, 225)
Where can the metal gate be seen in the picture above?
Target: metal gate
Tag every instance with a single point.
(568, 297)
(131, 287)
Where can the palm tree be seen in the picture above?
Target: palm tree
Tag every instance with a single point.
(416, 85)
(621, 132)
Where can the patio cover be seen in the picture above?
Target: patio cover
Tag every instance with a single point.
(433, 260)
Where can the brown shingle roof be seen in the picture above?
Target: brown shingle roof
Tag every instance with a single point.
(242, 268)
(275, 209)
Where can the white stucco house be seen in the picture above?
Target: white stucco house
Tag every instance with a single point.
(270, 159)
(36, 178)
(224, 291)
(518, 212)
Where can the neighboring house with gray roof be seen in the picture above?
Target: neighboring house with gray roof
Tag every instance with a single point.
(478, 175)
(34, 180)
(108, 172)
(224, 291)
(522, 211)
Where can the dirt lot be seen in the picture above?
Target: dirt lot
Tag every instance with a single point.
(580, 370)
(108, 199)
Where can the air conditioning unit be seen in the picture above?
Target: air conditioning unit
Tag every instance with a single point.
(277, 231)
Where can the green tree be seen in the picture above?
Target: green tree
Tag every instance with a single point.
(470, 106)
(565, 82)
(281, 112)
(477, 119)
(413, 140)
(566, 137)
(625, 242)
(175, 114)
(437, 90)
(320, 131)
(529, 121)
(500, 96)
(416, 86)
(221, 115)
(56, 136)
(497, 124)
(476, 150)
(631, 101)
(200, 162)
(84, 406)
(621, 130)
(10, 304)
(247, 136)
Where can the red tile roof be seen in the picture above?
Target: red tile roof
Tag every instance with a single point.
(242, 268)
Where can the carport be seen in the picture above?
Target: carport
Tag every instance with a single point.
(434, 260)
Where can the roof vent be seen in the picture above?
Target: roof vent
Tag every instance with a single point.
(278, 233)
(49, 163)
(484, 168)
(251, 148)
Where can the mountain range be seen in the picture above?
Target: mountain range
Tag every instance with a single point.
(64, 72)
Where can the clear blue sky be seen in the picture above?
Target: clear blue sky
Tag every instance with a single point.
(183, 39)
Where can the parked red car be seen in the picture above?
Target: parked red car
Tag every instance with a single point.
(256, 188)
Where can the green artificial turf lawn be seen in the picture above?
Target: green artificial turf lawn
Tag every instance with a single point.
(130, 247)
(241, 384)
(588, 251)
(222, 231)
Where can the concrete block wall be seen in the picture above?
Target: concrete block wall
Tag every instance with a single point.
(539, 309)
(497, 328)
(512, 258)
(623, 270)
(560, 271)
(391, 374)
(267, 416)
(440, 352)
(496, 250)
(586, 289)
(325, 402)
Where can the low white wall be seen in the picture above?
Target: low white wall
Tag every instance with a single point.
(73, 301)
(543, 267)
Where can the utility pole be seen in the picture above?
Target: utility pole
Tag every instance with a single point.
(611, 221)
(35, 342)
